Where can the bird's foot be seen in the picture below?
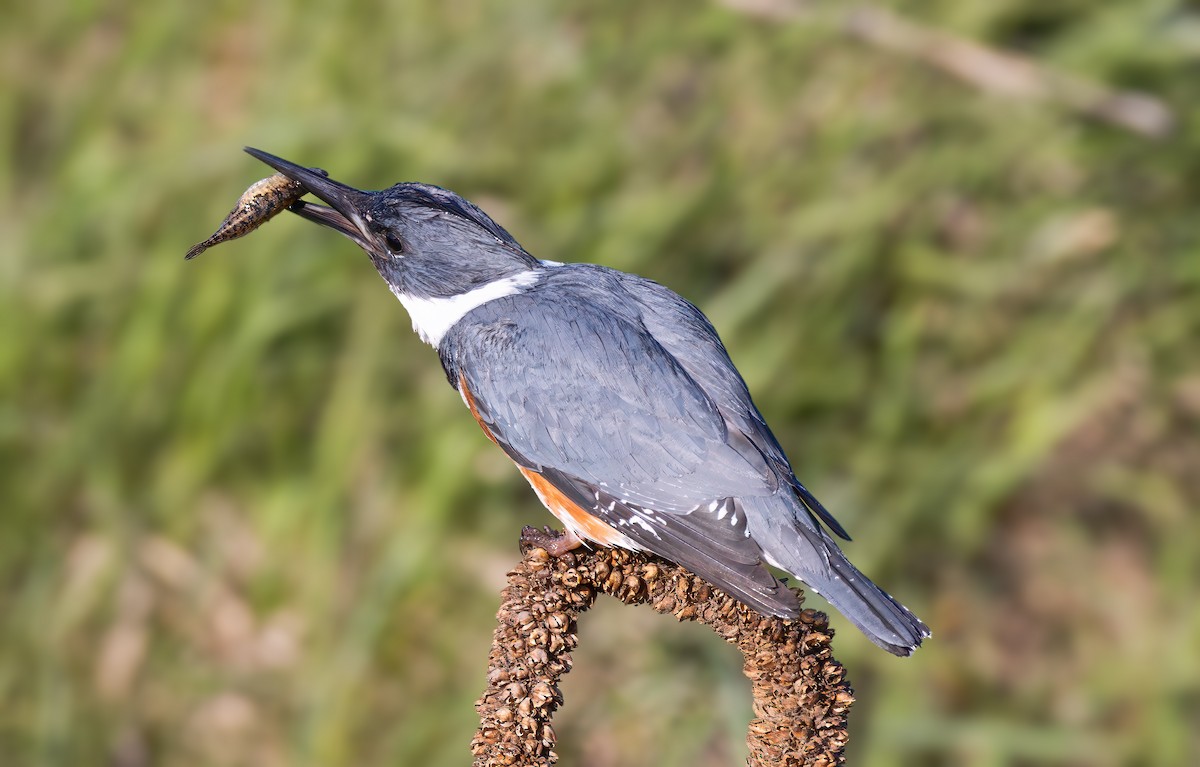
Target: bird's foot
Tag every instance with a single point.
(555, 543)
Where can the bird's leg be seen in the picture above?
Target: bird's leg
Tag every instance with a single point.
(555, 543)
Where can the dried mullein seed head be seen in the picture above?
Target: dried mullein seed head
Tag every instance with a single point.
(800, 715)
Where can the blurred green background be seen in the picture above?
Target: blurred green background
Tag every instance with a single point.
(244, 520)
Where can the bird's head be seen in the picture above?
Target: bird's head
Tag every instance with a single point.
(426, 242)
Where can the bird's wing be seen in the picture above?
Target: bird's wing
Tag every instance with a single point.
(568, 386)
(689, 337)
(593, 403)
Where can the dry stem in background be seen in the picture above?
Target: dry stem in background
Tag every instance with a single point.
(986, 68)
(801, 696)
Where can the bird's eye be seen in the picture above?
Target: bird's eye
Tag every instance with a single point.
(394, 243)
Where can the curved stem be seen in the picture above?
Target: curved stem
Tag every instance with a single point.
(801, 695)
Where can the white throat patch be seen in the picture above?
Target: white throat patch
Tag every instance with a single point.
(432, 318)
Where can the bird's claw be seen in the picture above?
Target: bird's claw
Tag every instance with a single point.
(554, 542)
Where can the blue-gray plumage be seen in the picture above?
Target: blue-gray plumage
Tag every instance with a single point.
(615, 398)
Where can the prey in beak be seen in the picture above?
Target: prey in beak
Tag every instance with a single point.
(259, 204)
(348, 208)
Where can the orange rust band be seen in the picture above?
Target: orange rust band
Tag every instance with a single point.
(576, 518)
(582, 522)
(470, 400)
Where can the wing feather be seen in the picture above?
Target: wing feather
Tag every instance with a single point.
(592, 402)
(711, 541)
(687, 334)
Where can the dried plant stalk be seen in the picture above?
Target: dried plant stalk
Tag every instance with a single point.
(801, 695)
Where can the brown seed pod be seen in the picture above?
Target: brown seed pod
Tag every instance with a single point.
(760, 727)
(515, 691)
(613, 582)
(666, 604)
(682, 586)
(580, 597)
(801, 696)
(259, 204)
(631, 588)
(601, 571)
(542, 694)
(686, 613)
(498, 676)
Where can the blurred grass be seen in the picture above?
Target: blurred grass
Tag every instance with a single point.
(244, 520)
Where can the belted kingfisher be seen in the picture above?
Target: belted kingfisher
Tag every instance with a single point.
(614, 397)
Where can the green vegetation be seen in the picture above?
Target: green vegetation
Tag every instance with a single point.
(243, 520)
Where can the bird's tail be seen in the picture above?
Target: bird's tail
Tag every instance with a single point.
(877, 614)
(811, 555)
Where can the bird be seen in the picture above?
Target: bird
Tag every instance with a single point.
(615, 398)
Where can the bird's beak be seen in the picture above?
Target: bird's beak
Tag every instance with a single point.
(349, 205)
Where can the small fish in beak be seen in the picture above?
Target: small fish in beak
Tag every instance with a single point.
(258, 204)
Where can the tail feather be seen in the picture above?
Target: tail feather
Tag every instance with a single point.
(876, 613)
(807, 552)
